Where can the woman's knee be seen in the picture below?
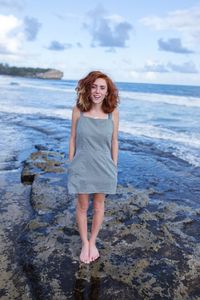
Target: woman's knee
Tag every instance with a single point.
(98, 205)
(82, 203)
(99, 197)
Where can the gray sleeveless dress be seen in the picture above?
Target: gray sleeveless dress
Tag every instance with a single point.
(92, 169)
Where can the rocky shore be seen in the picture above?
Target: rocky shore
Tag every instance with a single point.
(50, 74)
(148, 251)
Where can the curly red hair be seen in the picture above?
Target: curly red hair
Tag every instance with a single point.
(83, 90)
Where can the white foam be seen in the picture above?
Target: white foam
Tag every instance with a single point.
(150, 131)
(186, 155)
(135, 129)
(7, 81)
(60, 113)
(49, 88)
(161, 98)
(181, 145)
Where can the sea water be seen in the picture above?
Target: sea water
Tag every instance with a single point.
(168, 115)
(158, 120)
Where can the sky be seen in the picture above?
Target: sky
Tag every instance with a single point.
(131, 41)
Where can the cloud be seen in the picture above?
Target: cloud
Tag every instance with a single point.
(4, 50)
(57, 46)
(11, 36)
(14, 32)
(79, 45)
(152, 66)
(185, 21)
(14, 4)
(107, 31)
(187, 67)
(173, 45)
(31, 28)
(67, 16)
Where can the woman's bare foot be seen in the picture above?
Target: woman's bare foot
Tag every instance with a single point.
(93, 252)
(84, 256)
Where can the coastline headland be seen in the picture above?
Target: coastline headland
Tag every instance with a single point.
(41, 73)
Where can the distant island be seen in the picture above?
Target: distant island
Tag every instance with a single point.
(5, 69)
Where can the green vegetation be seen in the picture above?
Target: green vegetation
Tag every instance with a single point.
(5, 69)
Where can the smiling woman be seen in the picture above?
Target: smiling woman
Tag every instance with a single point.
(93, 153)
(99, 85)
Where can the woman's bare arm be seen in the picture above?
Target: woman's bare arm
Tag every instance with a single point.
(72, 140)
(115, 136)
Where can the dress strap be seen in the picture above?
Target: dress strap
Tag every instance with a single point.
(110, 116)
(81, 113)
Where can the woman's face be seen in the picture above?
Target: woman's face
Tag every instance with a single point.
(99, 90)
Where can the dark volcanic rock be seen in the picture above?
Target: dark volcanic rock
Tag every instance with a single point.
(147, 251)
(42, 162)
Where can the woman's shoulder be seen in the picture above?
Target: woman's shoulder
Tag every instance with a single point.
(115, 112)
(76, 111)
(115, 116)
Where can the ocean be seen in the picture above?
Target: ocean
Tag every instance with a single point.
(159, 131)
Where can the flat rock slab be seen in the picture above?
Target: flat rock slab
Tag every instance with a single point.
(147, 251)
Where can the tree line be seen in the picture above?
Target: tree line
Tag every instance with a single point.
(5, 69)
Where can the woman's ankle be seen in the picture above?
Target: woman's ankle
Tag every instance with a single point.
(85, 242)
(92, 241)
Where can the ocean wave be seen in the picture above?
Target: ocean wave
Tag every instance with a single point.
(59, 113)
(133, 128)
(187, 156)
(158, 98)
(49, 88)
(153, 132)
(180, 145)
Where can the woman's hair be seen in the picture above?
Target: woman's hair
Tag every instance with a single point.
(83, 89)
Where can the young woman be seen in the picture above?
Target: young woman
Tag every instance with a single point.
(93, 153)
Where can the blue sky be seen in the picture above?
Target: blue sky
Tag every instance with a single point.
(135, 41)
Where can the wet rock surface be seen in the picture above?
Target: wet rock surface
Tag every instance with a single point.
(148, 250)
(15, 214)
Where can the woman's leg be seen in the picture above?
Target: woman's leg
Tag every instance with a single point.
(81, 217)
(98, 215)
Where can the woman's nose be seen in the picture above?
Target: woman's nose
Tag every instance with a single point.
(97, 89)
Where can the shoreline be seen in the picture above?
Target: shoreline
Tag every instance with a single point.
(30, 77)
(150, 238)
